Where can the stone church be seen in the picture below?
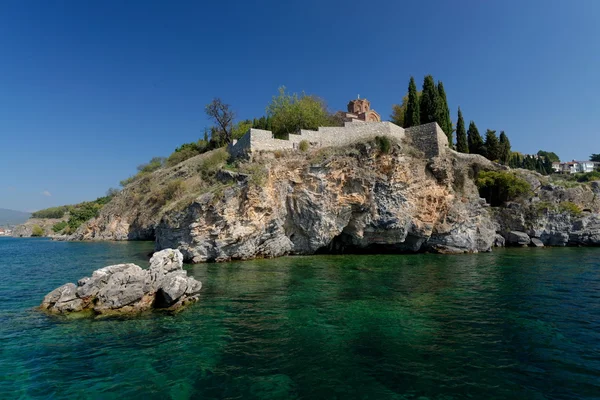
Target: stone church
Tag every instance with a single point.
(360, 109)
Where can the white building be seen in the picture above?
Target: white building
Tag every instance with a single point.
(575, 167)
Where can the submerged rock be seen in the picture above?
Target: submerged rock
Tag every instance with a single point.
(127, 288)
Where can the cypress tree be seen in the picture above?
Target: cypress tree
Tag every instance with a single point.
(474, 140)
(429, 101)
(461, 135)
(492, 146)
(444, 119)
(411, 113)
(504, 148)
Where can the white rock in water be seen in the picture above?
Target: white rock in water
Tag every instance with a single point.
(127, 288)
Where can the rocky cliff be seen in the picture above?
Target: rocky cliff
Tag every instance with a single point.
(359, 198)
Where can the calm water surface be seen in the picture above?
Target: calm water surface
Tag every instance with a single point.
(514, 324)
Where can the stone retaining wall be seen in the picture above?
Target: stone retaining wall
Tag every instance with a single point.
(428, 138)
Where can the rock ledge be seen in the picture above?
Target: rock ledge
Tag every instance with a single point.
(127, 288)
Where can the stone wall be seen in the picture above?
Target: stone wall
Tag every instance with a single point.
(429, 138)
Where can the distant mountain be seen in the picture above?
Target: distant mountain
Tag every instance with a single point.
(12, 217)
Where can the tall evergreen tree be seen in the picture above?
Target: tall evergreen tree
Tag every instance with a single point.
(461, 134)
(411, 113)
(443, 118)
(429, 107)
(504, 148)
(492, 146)
(474, 140)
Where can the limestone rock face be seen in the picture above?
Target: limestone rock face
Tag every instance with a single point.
(360, 202)
(127, 288)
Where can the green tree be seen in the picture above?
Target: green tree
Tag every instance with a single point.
(498, 187)
(492, 146)
(399, 111)
(552, 156)
(429, 106)
(475, 140)
(411, 113)
(595, 157)
(289, 113)
(504, 154)
(241, 128)
(461, 135)
(444, 119)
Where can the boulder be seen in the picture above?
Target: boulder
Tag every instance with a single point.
(499, 241)
(516, 238)
(127, 288)
(536, 242)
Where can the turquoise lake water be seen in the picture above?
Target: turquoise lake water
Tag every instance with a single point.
(513, 324)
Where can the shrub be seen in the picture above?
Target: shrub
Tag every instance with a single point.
(174, 189)
(498, 187)
(569, 207)
(212, 163)
(588, 177)
(186, 151)
(384, 144)
(154, 164)
(303, 145)
(37, 231)
(257, 173)
(59, 226)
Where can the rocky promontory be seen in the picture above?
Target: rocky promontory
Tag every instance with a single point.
(356, 198)
(128, 289)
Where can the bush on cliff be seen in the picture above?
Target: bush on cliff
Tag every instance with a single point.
(498, 187)
(37, 231)
(570, 208)
(59, 226)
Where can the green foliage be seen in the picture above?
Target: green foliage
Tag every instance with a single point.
(241, 128)
(538, 164)
(498, 187)
(212, 163)
(492, 146)
(443, 118)
(37, 230)
(52, 212)
(588, 176)
(173, 190)
(264, 123)
(83, 212)
(595, 157)
(504, 154)
(303, 145)
(258, 174)
(187, 151)
(384, 144)
(569, 207)
(291, 112)
(412, 115)
(429, 106)
(59, 226)
(461, 134)
(553, 157)
(475, 141)
(154, 164)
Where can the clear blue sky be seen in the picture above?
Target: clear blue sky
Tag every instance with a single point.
(91, 89)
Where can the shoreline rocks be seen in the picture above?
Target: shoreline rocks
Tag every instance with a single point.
(128, 289)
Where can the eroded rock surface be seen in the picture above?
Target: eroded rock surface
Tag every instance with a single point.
(127, 288)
